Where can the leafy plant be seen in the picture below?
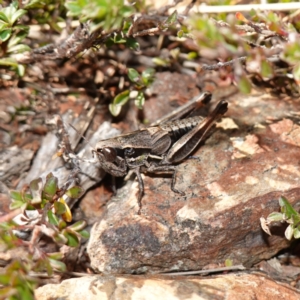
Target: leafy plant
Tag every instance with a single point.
(140, 83)
(288, 214)
(42, 210)
(105, 14)
(11, 36)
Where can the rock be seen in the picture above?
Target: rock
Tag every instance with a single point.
(237, 178)
(231, 286)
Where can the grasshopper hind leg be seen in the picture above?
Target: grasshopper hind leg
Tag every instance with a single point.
(141, 188)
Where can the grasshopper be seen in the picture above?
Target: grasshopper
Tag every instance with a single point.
(157, 148)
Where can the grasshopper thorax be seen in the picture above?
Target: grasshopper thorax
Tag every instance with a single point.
(109, 153)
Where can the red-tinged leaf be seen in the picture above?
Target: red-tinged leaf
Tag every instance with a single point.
(241, 17)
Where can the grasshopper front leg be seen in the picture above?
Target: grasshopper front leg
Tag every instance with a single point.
(153, 168)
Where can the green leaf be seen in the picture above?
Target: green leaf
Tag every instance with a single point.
(78, 225)
(289, 232)
(122, 98)
(75, 192)
(53, 219)
(115, 109)
(244, 84)
(296, 73)
(133, 75)
(59, 207)
(50, 187)
(33, 4)
(17, 204)
(57, 265)
(161, 62)
(5, 34)
(9, 11)
(73, 240)
(18, 48)
(36, 187)
(55, 255)
(16, 195)
(296, 233)
(133, 44)
(3, 17)
(171, 19)
(9, 62)
(60, 239)
(18, 14)
(140, 100)
(118, 102)
(83, 233)
(62, 224)
(228, 263)
(148, 76)
(266, 69)
(192, 55)
(287, 208)
(73, 8)
(275, 217)
(20, 70)
(5, 279)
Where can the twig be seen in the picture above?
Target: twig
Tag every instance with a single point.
(220, 65)
(77, 42)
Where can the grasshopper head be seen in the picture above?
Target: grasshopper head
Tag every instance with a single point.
(108, 154)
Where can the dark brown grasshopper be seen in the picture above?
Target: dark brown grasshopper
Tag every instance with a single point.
(156, 148)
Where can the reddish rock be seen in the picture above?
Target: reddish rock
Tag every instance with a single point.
(241, 171)
(231, 286)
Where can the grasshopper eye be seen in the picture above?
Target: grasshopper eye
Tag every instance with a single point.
(109, 153)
